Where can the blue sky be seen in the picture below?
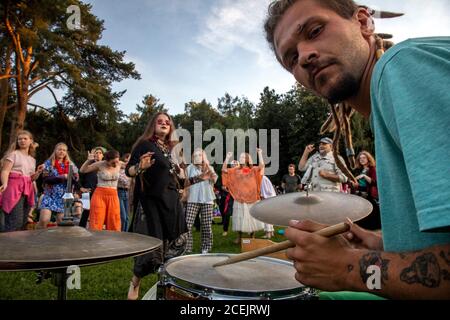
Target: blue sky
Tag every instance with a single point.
(189, 50)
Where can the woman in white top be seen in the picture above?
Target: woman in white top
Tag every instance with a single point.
(200, 180)
(105, 206)
(267, 191)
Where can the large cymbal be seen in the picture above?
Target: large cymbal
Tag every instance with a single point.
(322, 207)
(64, 246)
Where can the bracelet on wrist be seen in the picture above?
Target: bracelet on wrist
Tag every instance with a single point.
(137, 169)
(195, 180)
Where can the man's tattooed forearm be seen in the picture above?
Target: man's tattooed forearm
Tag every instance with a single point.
(446, 275)
(446, 257)
(350, 268)
(371, 259)
(424, 270)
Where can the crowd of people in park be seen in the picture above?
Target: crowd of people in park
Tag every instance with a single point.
(111, 191)
(103, 183)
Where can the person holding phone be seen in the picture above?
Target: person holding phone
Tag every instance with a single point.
(89, 182)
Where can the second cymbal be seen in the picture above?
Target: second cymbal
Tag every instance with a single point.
(322, 207)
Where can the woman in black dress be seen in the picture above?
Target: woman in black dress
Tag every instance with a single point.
(157, 208)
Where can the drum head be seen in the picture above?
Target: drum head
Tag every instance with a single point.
(261, 274)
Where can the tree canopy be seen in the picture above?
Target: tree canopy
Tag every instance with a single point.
(40, 52)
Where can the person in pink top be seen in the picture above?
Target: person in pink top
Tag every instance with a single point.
(17, 176)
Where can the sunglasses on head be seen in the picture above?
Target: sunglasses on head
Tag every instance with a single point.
(162, 122)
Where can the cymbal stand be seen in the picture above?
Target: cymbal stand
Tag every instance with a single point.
(68, 198)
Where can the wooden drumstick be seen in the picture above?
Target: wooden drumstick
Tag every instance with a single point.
(325, 232)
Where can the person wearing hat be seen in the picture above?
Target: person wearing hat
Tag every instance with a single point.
(320, 171)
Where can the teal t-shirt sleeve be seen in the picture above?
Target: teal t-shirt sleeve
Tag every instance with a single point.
(414, 96)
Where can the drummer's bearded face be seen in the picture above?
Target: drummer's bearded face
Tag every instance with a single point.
(325, 52)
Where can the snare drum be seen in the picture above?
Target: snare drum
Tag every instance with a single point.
(193, 277)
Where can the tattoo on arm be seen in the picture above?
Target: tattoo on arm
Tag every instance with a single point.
(350, 268)
(370, 259)
(446, 275)
(424, 270)
(446, 257)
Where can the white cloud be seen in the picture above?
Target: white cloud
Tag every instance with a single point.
(238, 24)
(235, 24)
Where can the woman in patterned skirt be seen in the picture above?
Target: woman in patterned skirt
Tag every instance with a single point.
(56, 171)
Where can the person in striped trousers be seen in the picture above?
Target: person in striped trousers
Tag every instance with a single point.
(200, 180)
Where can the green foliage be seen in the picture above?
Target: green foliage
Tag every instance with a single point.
(298, 115)
(362, 135)
(132, 126)
(238, 112)
(200, 111)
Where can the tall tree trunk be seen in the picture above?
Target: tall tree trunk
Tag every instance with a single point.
(20, 110)
(4, 89)
(23, 71)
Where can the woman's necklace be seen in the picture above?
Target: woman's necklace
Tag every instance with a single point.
(164, 148)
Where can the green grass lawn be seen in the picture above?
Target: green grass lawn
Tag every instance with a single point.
(108, 281)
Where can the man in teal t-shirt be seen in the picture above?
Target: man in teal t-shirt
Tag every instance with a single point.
(331, 48)
(410, 118)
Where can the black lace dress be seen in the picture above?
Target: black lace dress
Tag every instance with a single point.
(157, 210)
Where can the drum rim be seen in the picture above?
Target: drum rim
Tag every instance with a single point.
(207, 290)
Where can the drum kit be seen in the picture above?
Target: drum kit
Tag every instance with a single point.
(191, 277)
(250, 275)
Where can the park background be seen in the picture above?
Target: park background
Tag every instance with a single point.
(199, 60)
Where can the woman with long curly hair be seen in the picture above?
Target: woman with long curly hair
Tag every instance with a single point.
(156, 201)
(366, 187)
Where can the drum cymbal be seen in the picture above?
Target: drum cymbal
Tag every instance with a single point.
(64, 246)
(322, 207)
